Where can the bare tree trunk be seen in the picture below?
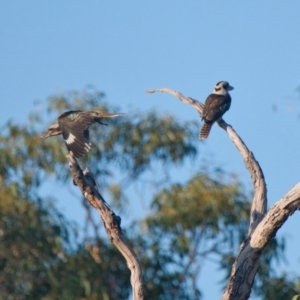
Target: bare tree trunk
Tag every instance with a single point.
(263, 226)
(247, 261)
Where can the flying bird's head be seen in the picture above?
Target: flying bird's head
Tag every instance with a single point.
(52, 130)
(222, 88)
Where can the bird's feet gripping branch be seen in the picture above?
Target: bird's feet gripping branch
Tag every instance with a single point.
(74, 127)
(216, 104)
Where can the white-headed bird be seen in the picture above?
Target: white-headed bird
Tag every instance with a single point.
(74, 127)
(216, 104)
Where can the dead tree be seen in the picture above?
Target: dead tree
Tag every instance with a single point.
(263, 224)
(112, 223)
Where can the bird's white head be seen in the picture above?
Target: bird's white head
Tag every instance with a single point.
(222, 88)
(51, 131)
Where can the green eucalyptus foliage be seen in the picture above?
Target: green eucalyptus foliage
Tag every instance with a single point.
(41, 256)
(202, 219)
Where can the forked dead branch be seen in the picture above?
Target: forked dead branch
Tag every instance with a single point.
(263, 225)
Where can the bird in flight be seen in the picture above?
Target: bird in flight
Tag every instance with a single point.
(74, 127)
(216, 104)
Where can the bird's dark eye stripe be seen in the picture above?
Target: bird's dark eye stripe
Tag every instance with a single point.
(217, 89)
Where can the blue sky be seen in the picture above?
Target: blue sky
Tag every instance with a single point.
(124, 47)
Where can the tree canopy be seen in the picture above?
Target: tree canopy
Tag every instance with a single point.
(45, 256)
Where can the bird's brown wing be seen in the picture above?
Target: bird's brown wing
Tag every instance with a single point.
(75, 132)
(215, 106)
(76, 140)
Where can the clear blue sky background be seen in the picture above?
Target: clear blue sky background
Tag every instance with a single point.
(124, 47)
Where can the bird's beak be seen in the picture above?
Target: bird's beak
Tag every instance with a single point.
(230, 88)
(45, 135)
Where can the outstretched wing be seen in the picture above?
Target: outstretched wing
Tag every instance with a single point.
(76, 140)
(75, 132)
(74, 126)
(215, 106)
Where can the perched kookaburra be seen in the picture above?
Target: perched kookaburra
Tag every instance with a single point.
(73, 125)
(216, 104)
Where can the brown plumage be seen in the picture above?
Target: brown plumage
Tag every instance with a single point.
(215, 106)
(74, 127)
(204, 132)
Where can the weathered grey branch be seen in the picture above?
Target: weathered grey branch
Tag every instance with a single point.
(247, 261)
(112, 223)
(259, 203)
(187, 100)
(262, 226)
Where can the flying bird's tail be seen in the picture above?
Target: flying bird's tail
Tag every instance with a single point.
(204, 132)
(100, 114)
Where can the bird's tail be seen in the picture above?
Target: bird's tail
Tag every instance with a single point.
(204, 132)
(100, 114)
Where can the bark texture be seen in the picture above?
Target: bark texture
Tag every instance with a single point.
(112, 224)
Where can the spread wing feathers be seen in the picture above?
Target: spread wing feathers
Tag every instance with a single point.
(86, 118)
(215, 106)
(77, 140)
(74, 125)
(204, 132)
(82, 119)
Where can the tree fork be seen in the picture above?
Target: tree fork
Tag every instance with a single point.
(263, 225)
